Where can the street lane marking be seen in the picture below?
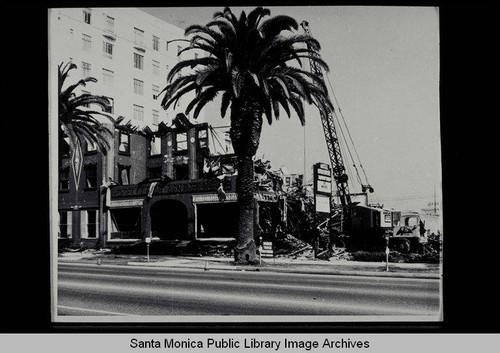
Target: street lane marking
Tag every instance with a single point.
(95, 311)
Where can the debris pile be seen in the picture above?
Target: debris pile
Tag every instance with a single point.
(216, 249)
(289, 246)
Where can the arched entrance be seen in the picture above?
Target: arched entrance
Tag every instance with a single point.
(169, 220)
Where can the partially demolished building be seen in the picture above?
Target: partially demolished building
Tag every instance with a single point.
(177, 183)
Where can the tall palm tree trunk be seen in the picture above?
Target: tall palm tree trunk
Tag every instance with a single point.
(246, 126)
(245, 250)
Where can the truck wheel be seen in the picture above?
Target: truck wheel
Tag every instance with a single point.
(403, 246)
(339, 243)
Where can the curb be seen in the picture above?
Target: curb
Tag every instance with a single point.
(296, 271)
(213, 265)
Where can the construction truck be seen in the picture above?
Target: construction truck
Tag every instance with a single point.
(357, 226)
(369, 227)
(408, 233)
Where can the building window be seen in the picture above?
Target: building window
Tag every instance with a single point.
(65, 224)
(107, 49)
(124, 146)
(87, 105)
(156, 117)
(156, 43)
(138, 87)
(228, 168)
(124, 174)
(91, 176)
(64, 179)
(181, 172)
(138, 61)
(91, 226)
(108, 77)
(202, 138)
(138, 36)
(65, 146)
(154, 173)
(138, 112)
(181, 141)
(156, 92)
(155, 147)
(90, 146)
(110, 24)
(86, 15)
(156, 68)
(111, 107)
(86, 69)
(86, 42)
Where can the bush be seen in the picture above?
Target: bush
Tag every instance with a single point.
(395, 257)
(368, 256)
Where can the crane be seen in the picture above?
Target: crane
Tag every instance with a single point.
(332, 142)
(364, 224)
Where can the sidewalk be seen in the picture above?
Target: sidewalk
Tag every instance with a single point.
(280, 264)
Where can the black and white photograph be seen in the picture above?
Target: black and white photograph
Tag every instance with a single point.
(245, 164)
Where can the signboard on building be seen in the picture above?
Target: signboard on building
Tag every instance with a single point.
(126, 203)
(76, 163)
(213, 198)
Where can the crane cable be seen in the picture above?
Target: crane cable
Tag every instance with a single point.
(349, 134)
(347, 147)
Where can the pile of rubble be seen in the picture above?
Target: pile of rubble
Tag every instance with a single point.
(290, 246)
(215, 249)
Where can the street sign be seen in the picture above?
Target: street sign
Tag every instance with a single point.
(267, 249)
(322, 203)
(322, 179)
(324, 186)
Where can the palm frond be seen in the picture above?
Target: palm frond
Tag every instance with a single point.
(191, 63)
(274, 25)
(226, 100)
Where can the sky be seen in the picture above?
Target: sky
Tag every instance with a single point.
(384, 74)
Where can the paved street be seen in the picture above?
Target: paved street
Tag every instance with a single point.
(85, 289)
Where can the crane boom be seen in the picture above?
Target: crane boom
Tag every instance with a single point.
(332, 141)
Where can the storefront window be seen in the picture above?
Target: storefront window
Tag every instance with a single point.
(65, 224)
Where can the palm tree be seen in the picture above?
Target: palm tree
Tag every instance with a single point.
(250, 61)
(79, 124)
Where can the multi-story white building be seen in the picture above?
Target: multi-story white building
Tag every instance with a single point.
(127, 50)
